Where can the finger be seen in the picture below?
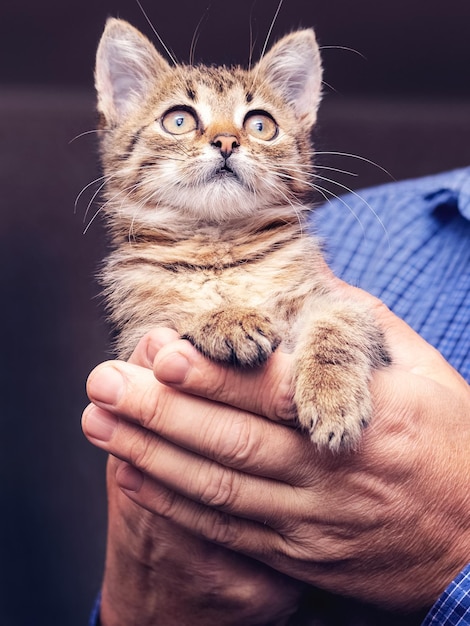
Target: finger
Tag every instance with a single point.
(195, 477)
(150, 344)
(297, 554)
(264, 390)
(241, 535)
(230, 436)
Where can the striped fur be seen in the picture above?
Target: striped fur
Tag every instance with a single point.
(208, 178)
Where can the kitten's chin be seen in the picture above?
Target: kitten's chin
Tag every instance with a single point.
(224, 174)
(224, 199)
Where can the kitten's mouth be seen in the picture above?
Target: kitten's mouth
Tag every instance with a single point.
(226, 171)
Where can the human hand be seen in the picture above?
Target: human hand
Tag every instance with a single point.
(156, 573)
(388, 525)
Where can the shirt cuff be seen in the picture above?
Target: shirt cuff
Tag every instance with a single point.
(95, 614)
(453, 607)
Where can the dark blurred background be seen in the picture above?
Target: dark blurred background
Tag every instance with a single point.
(397, 93)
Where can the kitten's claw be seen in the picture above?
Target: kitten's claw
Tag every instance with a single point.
(239, 337)
(336, 418)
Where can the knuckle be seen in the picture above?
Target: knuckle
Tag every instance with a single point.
(220, 489)
(283, 409)
(155, 405)
(166, 504)
(141, 450)
(218, 385)
(237, 445)
(223, 530)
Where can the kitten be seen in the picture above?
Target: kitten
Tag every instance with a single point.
(208, 178)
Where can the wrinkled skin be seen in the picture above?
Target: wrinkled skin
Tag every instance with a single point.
(212, 450)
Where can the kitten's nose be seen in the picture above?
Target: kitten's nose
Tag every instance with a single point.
(226, 143)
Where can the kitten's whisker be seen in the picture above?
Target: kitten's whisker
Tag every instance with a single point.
(358, 157)
(329, 85)
(359, 197)
(165, 47)
(346, 48)
(93, 182)
(177, 143)
(122, 192)
(324, 191)
(197, 32)
(295, 207)
(192, 51)
(252, 41)
(92, 220)
(92, 200)
(162, 158)
(305, 168)
(131, 236)
(89, 132)
(334, 169)
(263, 51)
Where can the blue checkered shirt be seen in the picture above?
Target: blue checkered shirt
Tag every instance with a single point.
(408, 243)
(453, 607)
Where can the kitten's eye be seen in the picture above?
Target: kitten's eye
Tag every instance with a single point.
(179, 122)
(261, 125)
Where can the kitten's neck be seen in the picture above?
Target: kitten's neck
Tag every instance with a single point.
(172, 231)
(211, 246)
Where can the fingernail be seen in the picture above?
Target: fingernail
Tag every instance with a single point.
(156, 340)
(172, 369)
(99, 424)
(105, 385)
(129, 478)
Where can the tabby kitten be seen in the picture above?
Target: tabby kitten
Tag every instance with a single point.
(208, 175)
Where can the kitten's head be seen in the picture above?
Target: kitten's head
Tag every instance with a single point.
(199, 143)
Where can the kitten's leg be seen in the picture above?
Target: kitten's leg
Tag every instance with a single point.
(234, 335)
(338, 346)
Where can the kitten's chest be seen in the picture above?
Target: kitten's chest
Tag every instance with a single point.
(174, 281)
(255, 277)
(215, 285)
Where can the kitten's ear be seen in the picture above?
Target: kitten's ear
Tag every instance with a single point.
(126, 66)
(293, 68)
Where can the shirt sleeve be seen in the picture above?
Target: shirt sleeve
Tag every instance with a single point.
(95, 614)
(453, 607)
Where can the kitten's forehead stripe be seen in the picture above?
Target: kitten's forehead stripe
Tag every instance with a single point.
(128, 149)
(190, 92)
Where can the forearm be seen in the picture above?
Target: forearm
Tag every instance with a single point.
(130, 588)
(148, 577)
(137, 594)
(156, 574)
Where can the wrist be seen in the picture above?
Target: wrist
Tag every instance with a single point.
(125, 597)
(158, 575)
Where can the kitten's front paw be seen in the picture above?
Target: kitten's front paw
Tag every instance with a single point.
(241, 337)
(335, 414)
(334, 363)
